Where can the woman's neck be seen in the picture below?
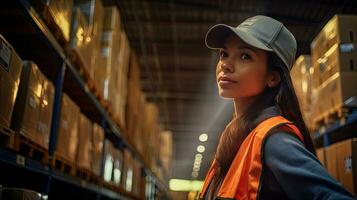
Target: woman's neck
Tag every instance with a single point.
(241, 104)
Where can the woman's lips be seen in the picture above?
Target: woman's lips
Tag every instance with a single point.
(225, 82)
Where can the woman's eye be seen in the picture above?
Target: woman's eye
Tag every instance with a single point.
(223, 54)
(245, 56)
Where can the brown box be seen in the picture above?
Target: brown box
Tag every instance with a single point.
(10, 72)
(98, 142)
(67, 138)
(340, 29)
(301, 78)
(85, 145)
(62, 15)
(340, 58)
(347, 162)
(108, 73)
(108, 161)
(320, 154)
(166, 151)
(81, 39)
(112, 19)
(331, 160)
(337, 91)
(33, 107)
(118, 166)
(46, 108)
(137, 178)
(127, 178)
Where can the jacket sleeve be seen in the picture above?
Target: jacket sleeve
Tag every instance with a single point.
(298, 171)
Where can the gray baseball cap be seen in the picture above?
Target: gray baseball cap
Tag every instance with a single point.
(261, 32)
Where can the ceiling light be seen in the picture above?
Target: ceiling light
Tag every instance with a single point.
(200, 148)
(203, 137)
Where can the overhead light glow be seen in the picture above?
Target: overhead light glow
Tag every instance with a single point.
(185, 185)
(203, 137)
(201, 148)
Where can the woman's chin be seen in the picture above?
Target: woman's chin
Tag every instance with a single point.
(226, 94)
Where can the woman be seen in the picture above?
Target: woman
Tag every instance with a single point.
(266, 151)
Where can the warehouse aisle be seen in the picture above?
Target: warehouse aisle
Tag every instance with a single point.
(109, 99)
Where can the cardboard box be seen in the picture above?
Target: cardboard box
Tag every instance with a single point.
(118, 167)
(166, 152)
(10, 72)
(62, 15)
(301, 78)
(337, 91)
(34, 103)
(340, 58)
(108, 161)
(331, 160)
(67, 138)
(46, 108)
(112, 19)
(81, 39)
(340, 29)
(85, 144)
(127, 180)
(93, 11)
(347, 162)
(320, 154)
(98, 143)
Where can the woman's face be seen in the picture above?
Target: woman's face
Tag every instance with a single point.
(241, 70)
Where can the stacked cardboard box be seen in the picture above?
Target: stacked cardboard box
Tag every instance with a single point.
(320, 153)
(341, 159)
(135, 107)
(333, 55)
(301, 77)
(137, 178)
(85, 134)
(108, 161)
(122, 81)
(118, 167)
(98, 143)
(86, 32)
(106, 75)
(61, 12)
(10, 72)
(347, 162)
(152, 135)
(33, 108)
(67, 138)
(127, 178)
(166, 151)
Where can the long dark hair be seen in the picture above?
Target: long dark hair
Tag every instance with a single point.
(283, 95)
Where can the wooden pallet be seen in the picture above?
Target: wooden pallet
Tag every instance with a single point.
(62, 164)
(87, 175)
(329, 117)
(29, 148)
(7, 137)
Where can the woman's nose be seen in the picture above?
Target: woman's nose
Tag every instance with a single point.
(227, 67)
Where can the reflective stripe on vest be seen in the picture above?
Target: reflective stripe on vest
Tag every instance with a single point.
(242, 180)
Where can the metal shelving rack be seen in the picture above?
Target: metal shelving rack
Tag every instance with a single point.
(26, 31)
(341, 129)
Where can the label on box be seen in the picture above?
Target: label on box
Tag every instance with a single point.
(347, 48)
(348, 164)
(5, 55)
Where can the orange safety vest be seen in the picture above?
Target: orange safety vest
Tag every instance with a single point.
(242, 181)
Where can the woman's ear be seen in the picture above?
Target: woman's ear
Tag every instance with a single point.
(273, 79)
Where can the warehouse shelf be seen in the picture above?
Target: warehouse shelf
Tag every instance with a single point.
(341, 129)
(14, 160)
(33, 40)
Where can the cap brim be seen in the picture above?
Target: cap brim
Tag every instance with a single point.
(217, 35)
